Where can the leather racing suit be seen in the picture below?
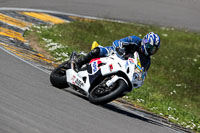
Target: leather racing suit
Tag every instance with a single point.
(133, 41)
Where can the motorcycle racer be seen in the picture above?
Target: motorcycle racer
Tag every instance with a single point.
(146, 47)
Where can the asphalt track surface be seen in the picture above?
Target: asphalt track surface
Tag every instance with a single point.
(175, 13)
(29, 104)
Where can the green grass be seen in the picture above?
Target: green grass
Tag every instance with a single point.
(172, 86)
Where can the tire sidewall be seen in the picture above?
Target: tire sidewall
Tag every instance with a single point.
(58, 81)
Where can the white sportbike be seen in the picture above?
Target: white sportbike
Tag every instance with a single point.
(102, 79)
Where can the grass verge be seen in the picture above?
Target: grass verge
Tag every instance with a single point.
(172, 87)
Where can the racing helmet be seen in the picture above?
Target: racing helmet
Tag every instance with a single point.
(150, 44)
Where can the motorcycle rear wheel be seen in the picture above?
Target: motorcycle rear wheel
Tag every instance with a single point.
(58, 76)
(119, 88)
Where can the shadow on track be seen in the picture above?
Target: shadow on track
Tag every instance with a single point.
(71, 91)
(114, 108)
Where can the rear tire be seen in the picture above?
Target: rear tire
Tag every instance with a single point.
(119, 89)
(58, 76)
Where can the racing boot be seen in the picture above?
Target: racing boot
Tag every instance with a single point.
(95, 53)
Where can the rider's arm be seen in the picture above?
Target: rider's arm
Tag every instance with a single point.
(106, 51)
(130, 40)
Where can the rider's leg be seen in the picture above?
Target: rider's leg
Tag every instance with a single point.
(95, 53)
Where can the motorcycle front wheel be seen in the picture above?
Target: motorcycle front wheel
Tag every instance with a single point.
(98, 95)
(58, 76)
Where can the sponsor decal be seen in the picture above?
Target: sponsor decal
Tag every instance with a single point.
(111, 67)
(140, 68)
(73, 78)
(131, 61)
(79, 83)
(138, 62)
(135, 77)
(94, 66)
(96, 59)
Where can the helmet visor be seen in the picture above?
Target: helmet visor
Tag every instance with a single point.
(149, 48)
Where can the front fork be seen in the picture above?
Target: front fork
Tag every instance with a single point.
(114, 79)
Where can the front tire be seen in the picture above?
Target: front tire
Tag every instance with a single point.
(58, 76)
(119, 89)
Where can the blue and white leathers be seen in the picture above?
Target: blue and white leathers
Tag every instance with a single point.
(130, 40)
